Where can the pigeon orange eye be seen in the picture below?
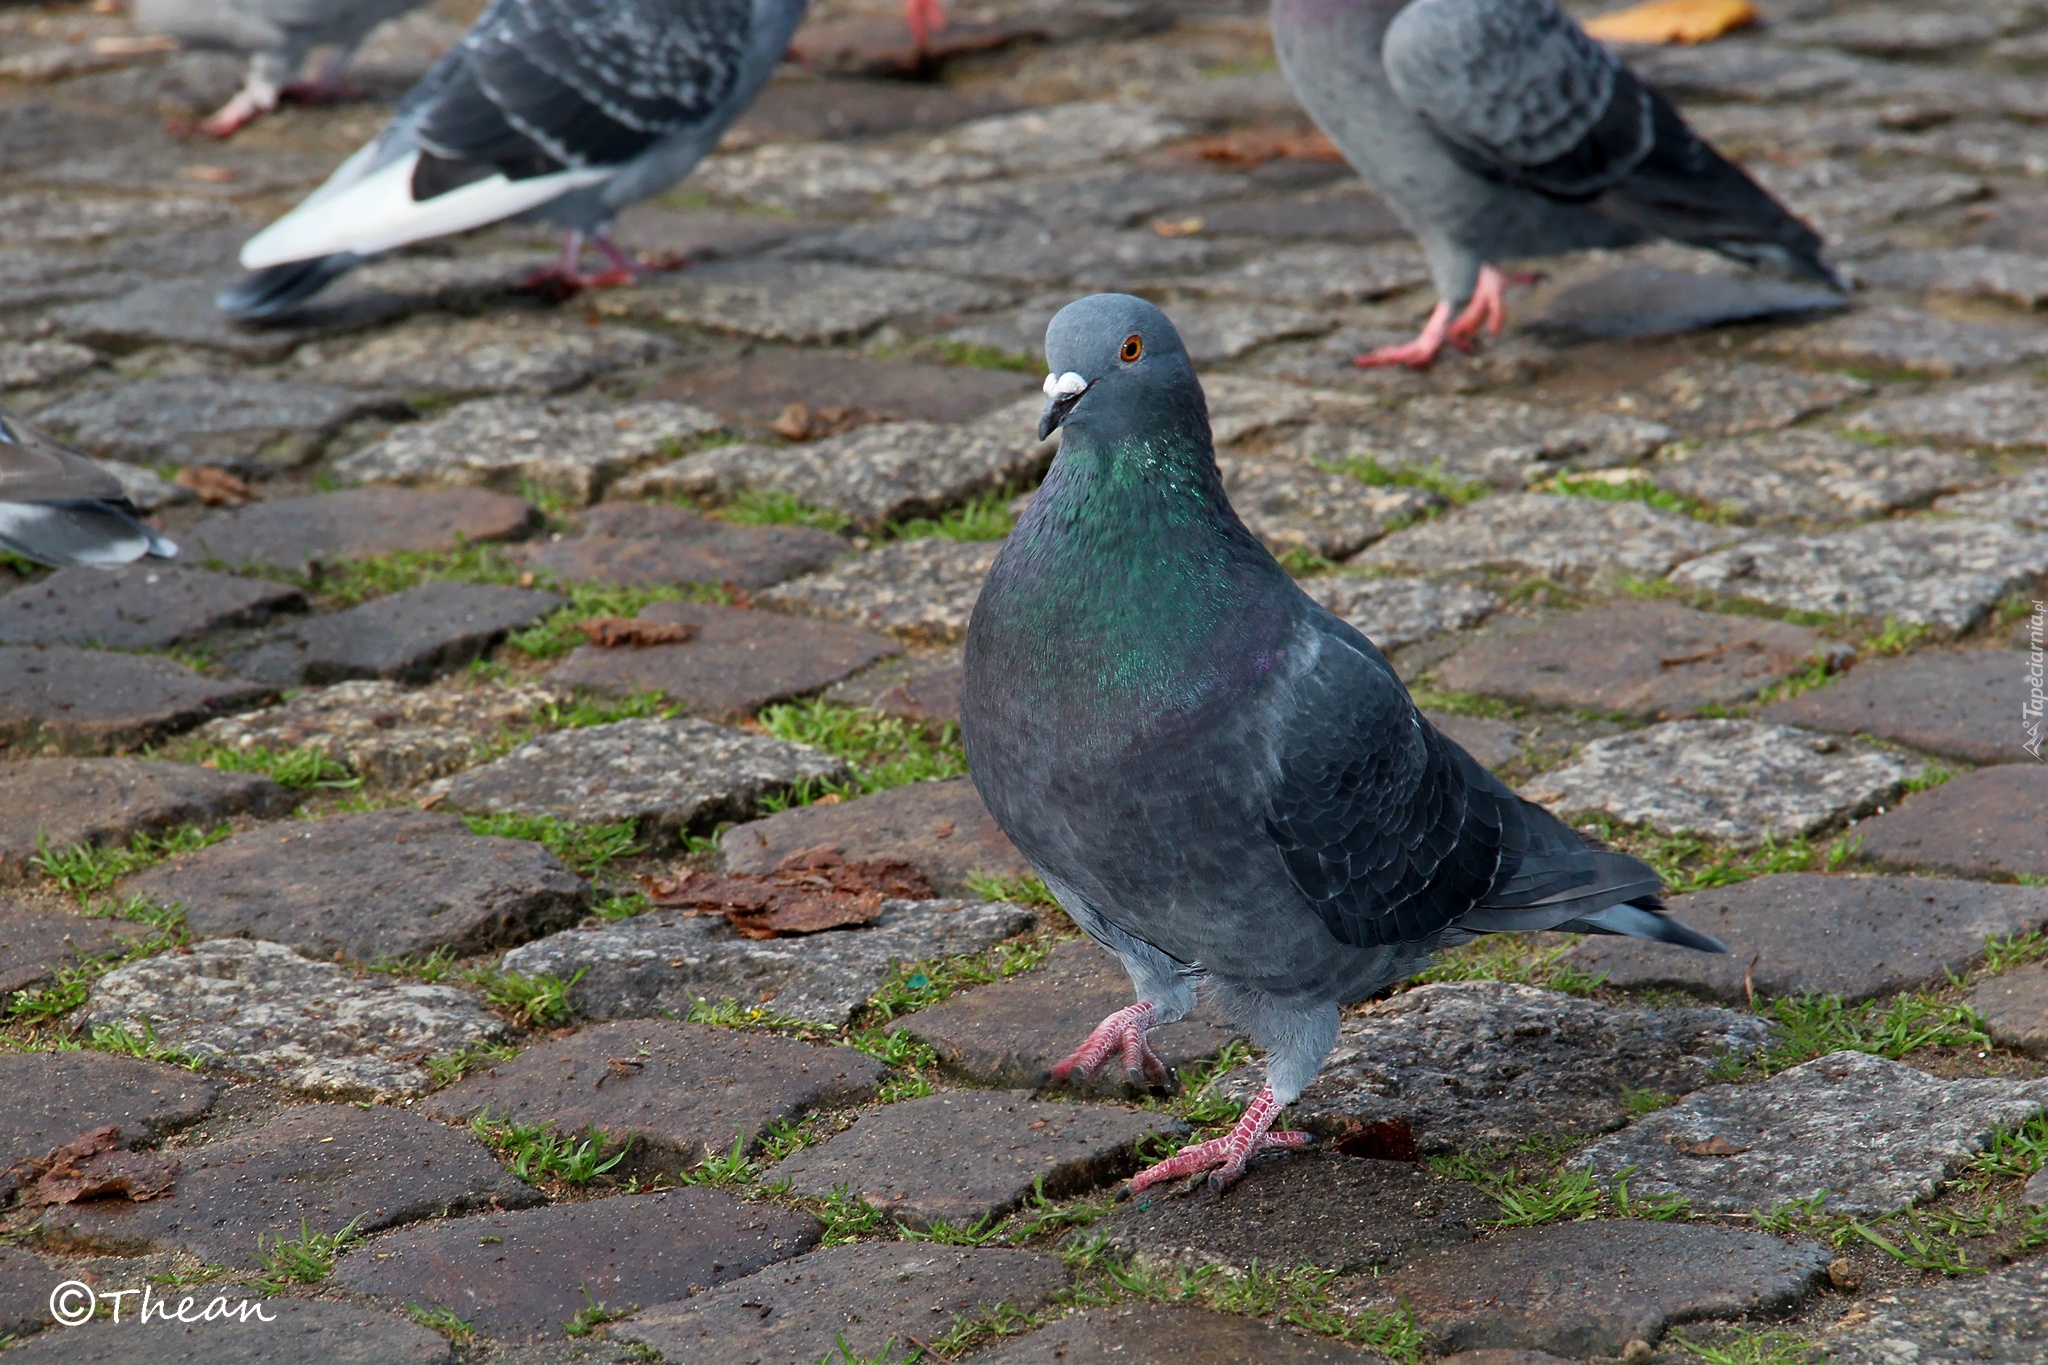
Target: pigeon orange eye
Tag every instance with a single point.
(1134, 346)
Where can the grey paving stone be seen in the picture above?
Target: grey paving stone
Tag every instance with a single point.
(961, 1156)
(940, 826)
(1906, 339)
(1475, 1062)
(634, 543)
(1872, 1135)
(1747, 69)
(736, 663)
(797, 301)
(1959, 704)
(1291, 504)
(1010, 1033)
(1726, 398)
(1942, 573)
(25, 1284)
(1972, 271)
(35, 944)
(525, 1276)
(1997, 1318)
(568, 448)
(1322, 1208)
(207, 419)
(1020, 249)
(1216, 330)
(2022, 499)
(67, 801)
(2004, 414)
(758, 387)
(673, 1093)
(661, 963)
(388, 734)
(54, 1097)
(302, 1332)
(2015, 1008)
(63, 700)
(1651, 659)
(1739, 780)
(1322, 275)
(1122, 194)
(874, 1296)
(259, 1009)
(388, 883)
(412, 636)
(1844, 202)
(1479, 439)
(1590, 1288)
(1982, 824)
(1905, 35)
(1392, 612)
(1779, 475)
(666, 776)
(920, 590)
(137, 606)
(26, 364)
(482, 355)
(930, 697)
(1799, 934)
(1242, 406)
(359, 523)
(1495, 743)
(183, 313)
(328, 1165)
(872, 475)
(1643, 300)
(1170, 1334)
(1545, 533)
(148, 490)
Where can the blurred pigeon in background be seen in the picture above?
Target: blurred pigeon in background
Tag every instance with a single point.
(1221, 781)
(1497, 129)
(60, 509)
(561, 110)
(278, 35)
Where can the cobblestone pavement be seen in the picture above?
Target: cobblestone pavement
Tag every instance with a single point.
(341, 940)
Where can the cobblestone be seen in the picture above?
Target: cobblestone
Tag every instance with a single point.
(1543, 533)
(940, 826)
(63, 802)
(920, 590)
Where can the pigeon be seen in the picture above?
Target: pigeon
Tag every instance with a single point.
(1219, 780)
(561, 110)
(1498, 129)
(277, 35)
(59, 508)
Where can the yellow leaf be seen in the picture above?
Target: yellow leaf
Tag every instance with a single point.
(1673, 21)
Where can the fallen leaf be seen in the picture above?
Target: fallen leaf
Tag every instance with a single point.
(1714, 1146)
(1256, 146)
(798, 422)
(94, 1166)
(1178, 227)
(1673, 21)
(214, 486)
(630, 632)
(808, 892)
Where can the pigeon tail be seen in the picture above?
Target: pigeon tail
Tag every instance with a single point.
(79, 534)
(277, 289)
(1633, 919)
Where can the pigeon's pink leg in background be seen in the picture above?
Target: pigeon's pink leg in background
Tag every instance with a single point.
(1487, 310)
(1122, 1032)
(565, 277)
(249, 104)
(925, 18)
(1224, 1157)
(1419, 353)
(327, 87)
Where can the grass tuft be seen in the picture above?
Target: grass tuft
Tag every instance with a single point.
(1512, 958)
(1024, 890)
(586, 848)
(1432, 479)
(300, 769)
(535, 1151)
(774, 507)
(884, 751)
(983, 519)
(84, 869)
(442, 1320)
(305, 1259)
(539, 1001)
(557, 635)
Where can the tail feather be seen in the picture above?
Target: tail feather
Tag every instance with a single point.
(1633, 920)
(275, 290)
(79, 534)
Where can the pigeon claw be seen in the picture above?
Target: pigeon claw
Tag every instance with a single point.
(1122, 1032)
(1418, 354)
(1224, 1158)
(1487, 310)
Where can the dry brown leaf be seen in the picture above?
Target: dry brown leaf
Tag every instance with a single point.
(1256, 146)
(630, 632)
(95, 1166)
(798, 422)
(1673, 21)
(811, 890)
(1714, 1146)
(1178, 227)
(214, 486)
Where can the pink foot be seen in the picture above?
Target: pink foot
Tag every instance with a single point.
(1419, 353)
(322, 91)
(1488, 308)
(1122, 1032)
(1224, 1157)
(925, 18)
(237, 114)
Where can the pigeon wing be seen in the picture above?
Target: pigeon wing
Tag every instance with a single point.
(34, 468)
(1389, 829)
(1520, 93)
(547, 85)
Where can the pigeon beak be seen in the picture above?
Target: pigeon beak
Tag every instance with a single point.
(1061, 393)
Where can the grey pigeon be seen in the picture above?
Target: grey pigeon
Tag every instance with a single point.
(564, 111)
(1220, 780)
(61, 509)
(1497, 129)
(278, 35)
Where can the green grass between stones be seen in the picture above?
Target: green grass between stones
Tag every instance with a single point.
(301, 769)
(983, 519)
(589, 849)
(774, 507)
(535, 1151)
(87, 869)
(305, 1259)
(882, 750)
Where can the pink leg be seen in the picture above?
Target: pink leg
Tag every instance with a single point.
(1419, 353)
(565, 278)
(1122, 1032)
(238, 113)
(1487, 309)
(925, 18)
(1224, 1157)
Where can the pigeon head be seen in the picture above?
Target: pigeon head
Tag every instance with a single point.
(1112, 352)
